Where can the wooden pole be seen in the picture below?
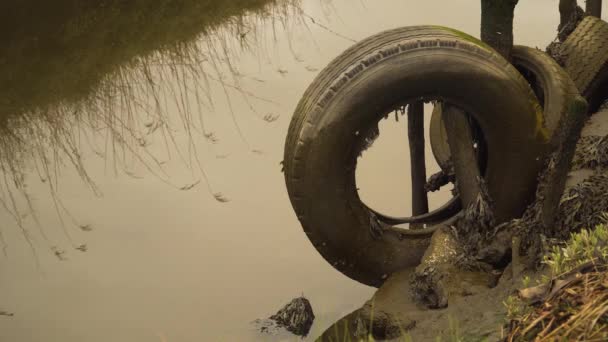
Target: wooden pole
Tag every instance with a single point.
(567, 12)
(415, 132)
(460, 139)
(594, 8)
(497, 25)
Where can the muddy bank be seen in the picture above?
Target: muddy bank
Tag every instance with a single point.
(476, 309)
(475, 314)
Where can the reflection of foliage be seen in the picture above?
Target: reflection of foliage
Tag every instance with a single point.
(73, 72)
(62, 50)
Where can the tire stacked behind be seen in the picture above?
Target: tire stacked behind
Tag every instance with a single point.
(586, 60)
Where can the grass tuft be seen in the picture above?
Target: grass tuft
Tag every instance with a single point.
(572, 303)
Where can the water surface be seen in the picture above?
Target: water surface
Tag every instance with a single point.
(164, 264)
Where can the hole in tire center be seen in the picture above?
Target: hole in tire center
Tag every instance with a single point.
(383, 174)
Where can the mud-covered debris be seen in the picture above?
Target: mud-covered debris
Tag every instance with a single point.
(296, 317)
(379, 324)
(439, 179)
(591, 152)
(582, 206)
(577, 16)
(6, 313)
(477, 226)
(555, 51)
(427, 288)
(428, 281)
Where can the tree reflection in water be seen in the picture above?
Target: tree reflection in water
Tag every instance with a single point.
(105, 73)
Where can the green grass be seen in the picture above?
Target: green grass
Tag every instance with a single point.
(583, 247)
(576, 310)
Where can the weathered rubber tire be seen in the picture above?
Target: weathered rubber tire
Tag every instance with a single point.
(439, 139)
(355, 91)
(553, 87)
(586, 59)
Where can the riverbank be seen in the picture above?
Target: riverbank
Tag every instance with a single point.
(482, 311)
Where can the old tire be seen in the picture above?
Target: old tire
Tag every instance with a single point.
(353, 93)
(552, 85)
(586, 60)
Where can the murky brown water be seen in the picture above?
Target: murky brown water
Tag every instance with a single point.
(164, 264)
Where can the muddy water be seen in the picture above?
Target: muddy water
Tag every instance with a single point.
(164, 264)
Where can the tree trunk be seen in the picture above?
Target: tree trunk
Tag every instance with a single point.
(594, 8)
(497, 24)
(567, 12)
(415, 131)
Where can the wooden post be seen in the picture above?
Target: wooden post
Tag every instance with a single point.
(415, 132)
(594, 8)
(497, 24)
(460, 139)
(567, 12)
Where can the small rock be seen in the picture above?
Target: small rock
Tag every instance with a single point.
(296, 317)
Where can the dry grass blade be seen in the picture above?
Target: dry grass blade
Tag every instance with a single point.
(573, 304)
